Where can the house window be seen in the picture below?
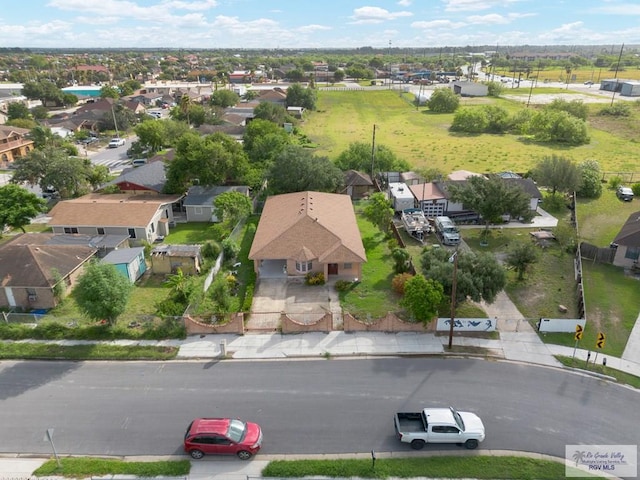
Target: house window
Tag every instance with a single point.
(632, 253)
(70, 230)
(132, 232)
(153, 228)
(304, 267)
(100, 230)
(348, 266)
(197, 210)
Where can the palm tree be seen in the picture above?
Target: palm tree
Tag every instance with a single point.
(185, 106)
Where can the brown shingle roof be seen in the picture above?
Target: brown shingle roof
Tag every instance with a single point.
(109, 210)
(629, 235)
(308, 225)
(36, 266)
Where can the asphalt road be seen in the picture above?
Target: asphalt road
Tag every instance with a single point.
(318, 406)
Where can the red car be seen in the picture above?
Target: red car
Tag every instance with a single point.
(222, 436)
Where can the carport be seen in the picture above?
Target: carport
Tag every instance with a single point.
(273, 269)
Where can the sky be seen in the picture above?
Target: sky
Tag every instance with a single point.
(293, 24)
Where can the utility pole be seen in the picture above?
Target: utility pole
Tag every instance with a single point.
(373, 153)
(616, 75)
(453, 258)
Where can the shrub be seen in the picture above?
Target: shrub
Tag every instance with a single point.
(314, 278)
(470, 120)
(248, 298)
(399, 281)
(170, 307)
(615, 182)
(554, 203)
(636, 189)
(230, 249)
(591, 186)
(619, 109)
(342, 285)
(211, 249)
(443, 100)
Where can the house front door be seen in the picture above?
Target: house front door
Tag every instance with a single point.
(333, 268)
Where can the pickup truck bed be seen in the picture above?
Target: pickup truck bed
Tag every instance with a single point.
(410, 422)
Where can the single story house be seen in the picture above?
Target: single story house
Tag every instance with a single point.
(128, 261)
(146, 179)
(37, 276)
(305, 232)
(103, 243)
(141, 217)
(198, 203)
(169, 258)
(627, 242)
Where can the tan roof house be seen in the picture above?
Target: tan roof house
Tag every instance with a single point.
(36, 276)
(306, 232)
(627, 242)
(141, 217)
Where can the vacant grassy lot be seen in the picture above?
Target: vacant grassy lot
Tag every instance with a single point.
(423, 138)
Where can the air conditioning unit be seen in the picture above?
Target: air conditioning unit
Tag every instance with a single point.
(33, 298)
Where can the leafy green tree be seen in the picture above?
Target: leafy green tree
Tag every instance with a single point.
(379, 211)
(45, 91)
(338, 75)
(591, 175)
(108, 91)
(129, 87)
(232, 206)
(124, 118)
(272, 112)
(577, 108)
(18, 206)
(469, 120)
(17, 110)
(478, 277)
(40, 112)
(521, 256)
(358, 157)
(443, 100)
(102, 293)
(211, 160)
(298, 96)
(495, 89)
(422, 297)
(264, 140)
(296, 169)
(401, 259)
(43, 136)
(560, 127)
(558, 174)
(224, 98)
(491, 198)
(151, 134)
(497, 119)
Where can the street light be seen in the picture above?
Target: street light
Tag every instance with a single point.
(453, 259)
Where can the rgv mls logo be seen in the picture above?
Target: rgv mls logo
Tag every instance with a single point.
(605, 460)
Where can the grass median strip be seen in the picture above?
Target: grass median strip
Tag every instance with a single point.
(96, 351)
(480, 467)
(89, 466)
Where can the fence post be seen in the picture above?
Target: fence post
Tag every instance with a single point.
(6, 317)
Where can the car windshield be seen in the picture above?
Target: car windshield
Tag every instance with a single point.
(458, 419)
(237, 430)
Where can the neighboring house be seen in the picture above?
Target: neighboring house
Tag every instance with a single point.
(530, 188)
(431, 200)
(146, 179)
(103, 243)
(150, 99)
(470, 89)
(306, 232)
(198, 203)
(13, 144)
(234, 131)
(30, 275)
(144, 218)
(128, 261)
(357, 184)
(277, 96)
(410, 178)
(627, 242)
(168, 259)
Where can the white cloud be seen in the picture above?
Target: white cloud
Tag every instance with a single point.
(182, 5)
(497, 19)
(404, 3)
(376, 15)
(312, 28)
(438, 24)
(474, 5)
(618, 9)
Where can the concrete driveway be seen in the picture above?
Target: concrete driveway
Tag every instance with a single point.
(302, 302)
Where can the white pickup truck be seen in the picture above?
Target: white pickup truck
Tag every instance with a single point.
(439, 425)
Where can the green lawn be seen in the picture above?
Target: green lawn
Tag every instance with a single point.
(423, 138)
(194, 233)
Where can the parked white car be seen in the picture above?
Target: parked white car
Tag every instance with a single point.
(116, 142)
